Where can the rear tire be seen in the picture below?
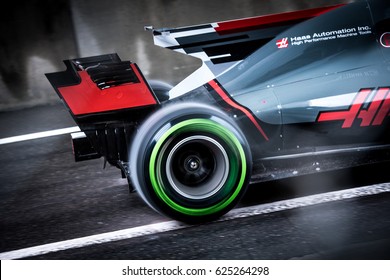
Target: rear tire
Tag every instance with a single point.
(190, 162)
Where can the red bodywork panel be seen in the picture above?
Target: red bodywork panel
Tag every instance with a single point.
(87, 98)
(253, 23)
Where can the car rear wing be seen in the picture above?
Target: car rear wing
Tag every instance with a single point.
(107, 97)
(222, 44)
(230, 41)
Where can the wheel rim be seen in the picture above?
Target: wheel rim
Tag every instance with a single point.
(197, 167)
(230, 187)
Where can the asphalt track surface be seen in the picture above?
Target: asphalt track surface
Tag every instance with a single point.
(46, 198)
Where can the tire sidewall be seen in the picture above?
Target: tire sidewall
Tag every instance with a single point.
(173, 121)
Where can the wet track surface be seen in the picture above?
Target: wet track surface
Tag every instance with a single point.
(46, 197)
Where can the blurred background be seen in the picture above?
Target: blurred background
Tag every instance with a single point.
(36, 35)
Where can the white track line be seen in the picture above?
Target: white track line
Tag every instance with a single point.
(38, 135)
(173, 225)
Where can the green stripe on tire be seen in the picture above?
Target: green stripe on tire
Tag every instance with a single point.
(198, 125)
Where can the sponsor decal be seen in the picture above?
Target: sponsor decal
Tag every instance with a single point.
(337, 34)
(371, 106)
(385, 40)
(282, 43)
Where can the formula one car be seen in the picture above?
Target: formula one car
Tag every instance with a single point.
(277, 96)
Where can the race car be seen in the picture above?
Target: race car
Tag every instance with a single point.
(277, 96)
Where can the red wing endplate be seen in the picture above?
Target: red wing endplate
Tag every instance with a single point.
(100, 84)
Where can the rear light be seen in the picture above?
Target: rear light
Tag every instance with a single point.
(82, 148)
